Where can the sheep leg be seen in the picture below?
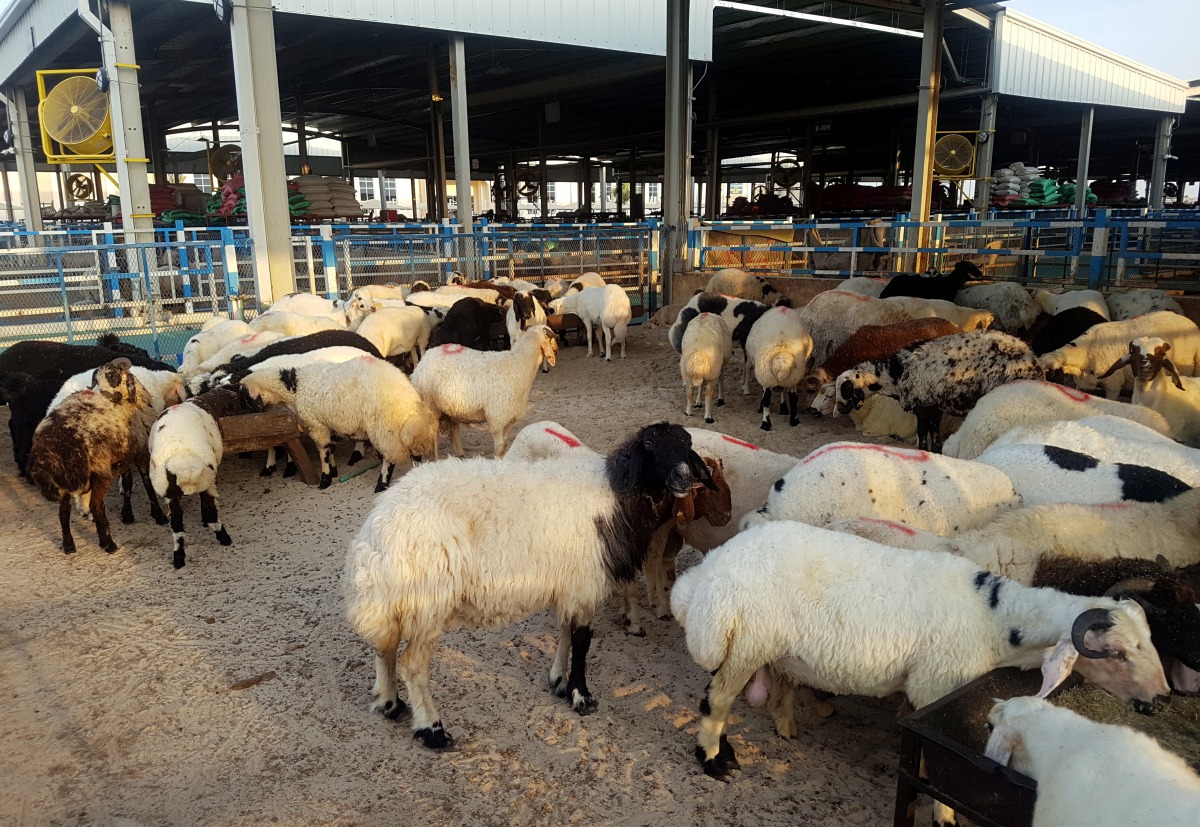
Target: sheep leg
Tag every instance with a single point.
(456, 439)
(414, 666)
(633, 620)
(720, 390)
(208, 516)
(103, 532)
(794, 406)
(766, 409)
(713, 750)
(745, 373)
(155, 509)
(665, 577)
(687, 398)
(385, 698)
(289, 468)
(321, 437)
(64, 520)
(175, 505)
(127, 496)
(385, 476)
(709, 387)
(577, 692)
(558, 667)
(587, 326)
(269, 468)
(357, 453)
(929, 429)
(499, 440)
(608, 337)
(781, 703)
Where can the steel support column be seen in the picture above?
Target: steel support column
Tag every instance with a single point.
(381, 179)
(462, 150)
(712, 200)
(256, 82)
(438, 209)
(1158, 171)
(927, 114)
(1085, 155)
(676, 149)
(302, 132)
(9, 214)
(31, 198)
(984, 154)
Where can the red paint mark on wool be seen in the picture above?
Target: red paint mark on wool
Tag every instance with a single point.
(901, 527)
(571, 441)
(898, 453)
(1120, 506)
(749, 445)
(450, 350)
(859, 296)
(1070, 393)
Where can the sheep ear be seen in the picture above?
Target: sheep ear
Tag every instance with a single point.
(1001, 743)
(1120, 363)
(701, 471)
(1057, 666)
(131, 388)
(631, 462)
(1163, 561)
(1174, 373)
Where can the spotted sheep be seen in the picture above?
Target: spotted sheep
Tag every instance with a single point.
(739, 284)
(947, 375)
(739, 315)
(433, 555)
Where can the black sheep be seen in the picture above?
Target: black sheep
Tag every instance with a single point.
(933, 287)
(468, 323)
(1063, 328)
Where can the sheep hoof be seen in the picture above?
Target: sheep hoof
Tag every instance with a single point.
(766, 425)
(709, 420)
(326, 481)
(289, 470)
(127, 515)
(178, 559)
(688, 412)
(558, 687)
(223, 538)
(380, 487)
(391, 710)
(109, 546)
(582, 703)
(268, 471)
(607, 359)
(635, 631)
(434, 737)
(794, 421)
(720, 402)
(159, 517)
(68, 548)
(720, 765)
(354, 457)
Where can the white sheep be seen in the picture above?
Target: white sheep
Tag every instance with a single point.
(707, 346)
(1028, 402)
(557, 288)
(400, 330)
(739, 316)
(851, 479)
(246, 346)
(470, 386)
(742, 285)
(781, 350)
(1090, 774)
(1158, 385)
(1129, 304)
(863, 285)
(1014, 309)
(346, 315)
(291, 324)
(366, 398)
(210, 340)
(964, 318)
(447, 295)
(547, 440)
(852, 617)
(1090, 356)
(833, 316)
(520, 285)
(1056, 302)
(1048, 473)
(445, 547)
(608, 308)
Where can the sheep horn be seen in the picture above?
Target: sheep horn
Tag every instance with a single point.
(1091, 620)
(1130, 586)
(1166, 363)
(1120, 363)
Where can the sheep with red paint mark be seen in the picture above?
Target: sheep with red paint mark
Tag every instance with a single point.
(853, 479)
(547, 440)
(780, 348)
(833, 316)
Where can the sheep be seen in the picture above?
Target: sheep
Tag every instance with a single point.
(742, 285)
(1030, 403)
(1054, 303)
(245, 347)
(84, 443)
(292, 324)
(320, 340)
(1014, 309)
(863, 285)
(364, 397)
(965, 319)
(547, 440)
(368, 293)
(165, 387)
(519, 285)
(945, 375)
(433, 555)
(848, 616)
(464, 386)
(933, 287)
(209, 340)
(833, 316)
(186, 450)
(780, 348)
(1090, 774)
(868, 344)
(396, 331)
(607, 307)
(707, 346)
(1089, 356)
(345, 315)
(739, 315)
(525, 311)
(556, 289)
(448, 295)
(1176, 398)
(1139, 302)
(1062, 328)
(850, 479)
(1047, 473)
(468, 322)
(1112, 439)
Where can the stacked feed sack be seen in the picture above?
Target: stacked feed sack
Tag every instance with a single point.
(231, 199)
(344, 200)
(1066, 193)
(1005, 188)
(328, 197)
(1117, 193)
(162, 198)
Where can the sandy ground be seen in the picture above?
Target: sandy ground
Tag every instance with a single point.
(123, 679)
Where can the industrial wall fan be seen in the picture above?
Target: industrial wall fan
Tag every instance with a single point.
(74, 117)
(954, 155)
(80, 187)
(529, 183)
(224, 162)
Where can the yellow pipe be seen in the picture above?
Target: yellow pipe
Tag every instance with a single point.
(127, 66)
(107, 175)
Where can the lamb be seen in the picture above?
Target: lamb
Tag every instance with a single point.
(1063, 328)
(468, 323)
(868, 344)
(84, 443)
(1047, 473)
(851, 479)
(607, 307)
(946, 375)
(556, 289)
(849, 616)
(832, 317)
(1014, 309)
(707, 346)
(396, 331)
(344, 315)
(1090, 774)
(780, 348)
(1177, 398)
(365, 398)
(292, 324)
(965, 319)
(742, 285)
(1088, 357)
(185, 453)
(863, 285)
(1055, 303)
(1030, 403)
(209, 340)
(933, 287)
(525, 311)
(1139, 302)
(434, 553)
(739, 316)
(464, 386)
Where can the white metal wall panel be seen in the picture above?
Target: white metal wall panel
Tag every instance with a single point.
(1034, 60)
(29, 28)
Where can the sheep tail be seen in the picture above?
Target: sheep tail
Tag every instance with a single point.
(191, 472)
(697, 365)
(620, 329)
(782, 365)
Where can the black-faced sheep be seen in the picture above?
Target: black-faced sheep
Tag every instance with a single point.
(933, 287)
(468, 323)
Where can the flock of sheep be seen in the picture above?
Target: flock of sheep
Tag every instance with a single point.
(1058, 530)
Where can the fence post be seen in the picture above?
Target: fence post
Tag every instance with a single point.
(184, 264)
(66, 303)
(329, 262)
(151, 303)
(1123, 245)
(229, 264)
(1099, 248)
(853, 250)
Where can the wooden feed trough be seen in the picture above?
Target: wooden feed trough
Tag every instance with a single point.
(269, 429)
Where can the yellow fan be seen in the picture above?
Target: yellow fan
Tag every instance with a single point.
(75, 113)
(953, 155)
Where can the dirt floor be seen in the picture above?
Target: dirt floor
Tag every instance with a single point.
(233, 691)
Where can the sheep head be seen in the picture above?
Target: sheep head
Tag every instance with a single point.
(854, 385)
(1171, 612)
(115, 383)
(659, 461)
(1113, 639)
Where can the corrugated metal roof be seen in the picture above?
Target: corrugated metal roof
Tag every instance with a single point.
(1034, 60)
(26, 26)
